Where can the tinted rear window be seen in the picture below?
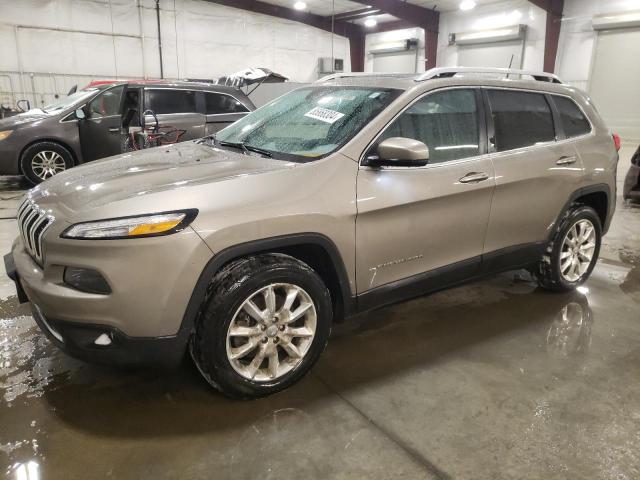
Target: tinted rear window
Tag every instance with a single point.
(573, 120)
(216, 103)
(520, 119)
(170, 101)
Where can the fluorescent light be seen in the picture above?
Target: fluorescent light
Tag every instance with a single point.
(370, 22)
(300, 6)
(467, 4)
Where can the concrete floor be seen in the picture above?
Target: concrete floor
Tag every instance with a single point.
(495, 379)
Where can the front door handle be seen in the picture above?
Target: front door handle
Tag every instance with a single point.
(114, 129)
(566, 160)
(474, 177)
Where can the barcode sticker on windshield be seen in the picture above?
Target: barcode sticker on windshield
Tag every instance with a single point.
(324, 115)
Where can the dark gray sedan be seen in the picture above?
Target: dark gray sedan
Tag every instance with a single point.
(95, 122)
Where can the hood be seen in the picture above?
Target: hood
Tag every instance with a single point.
(21, 119)
(145, 174)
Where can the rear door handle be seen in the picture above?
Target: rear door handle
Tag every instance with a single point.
(566, 160)
(474, 177)
(114, 129)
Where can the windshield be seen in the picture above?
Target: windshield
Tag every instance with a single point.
(65, 102)
(309, 123)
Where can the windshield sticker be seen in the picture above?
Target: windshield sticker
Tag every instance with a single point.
(324, 115)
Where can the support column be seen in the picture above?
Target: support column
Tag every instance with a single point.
(356, 50)
(552, 34)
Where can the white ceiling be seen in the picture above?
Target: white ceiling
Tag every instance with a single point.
(325, 7)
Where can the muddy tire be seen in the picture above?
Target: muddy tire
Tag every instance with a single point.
(573, 252)
(264, 323)
(43, 160)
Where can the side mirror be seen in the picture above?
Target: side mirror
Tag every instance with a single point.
(400, 152)
(80, 115)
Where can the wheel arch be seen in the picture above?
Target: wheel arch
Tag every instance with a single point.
(597, 197)
(316, 250)
(62, 143)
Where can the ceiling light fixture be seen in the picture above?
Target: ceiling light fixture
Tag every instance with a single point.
(467, 4)
(370, 22)
(300, 6)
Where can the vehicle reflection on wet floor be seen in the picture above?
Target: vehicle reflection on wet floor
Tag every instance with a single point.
(494, 379)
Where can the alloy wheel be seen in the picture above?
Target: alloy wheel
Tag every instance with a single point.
(271, 332)
(577, 250)
(47, 163)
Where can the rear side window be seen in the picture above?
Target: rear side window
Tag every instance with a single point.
(217, 103)
(170, 101)
(520, 119)
(573, 120)
(447, 122)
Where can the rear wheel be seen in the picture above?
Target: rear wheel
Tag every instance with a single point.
(263, 325)
(43, 160)
(573, 252)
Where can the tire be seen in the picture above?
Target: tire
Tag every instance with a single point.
(225, 310)
(552, 272)
(43, 160)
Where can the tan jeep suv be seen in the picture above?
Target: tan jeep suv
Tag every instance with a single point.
(334, 199)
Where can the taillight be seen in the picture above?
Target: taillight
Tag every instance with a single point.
(616, 141)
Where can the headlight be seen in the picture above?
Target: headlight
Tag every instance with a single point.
(132, 227)
(5, 133)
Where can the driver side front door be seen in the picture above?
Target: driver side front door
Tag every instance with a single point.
(100, 132)
(419, 227)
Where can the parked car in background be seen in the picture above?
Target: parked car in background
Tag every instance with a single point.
(631, 189)
(92, 123)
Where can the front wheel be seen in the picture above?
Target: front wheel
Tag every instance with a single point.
(572, 254)
(43, 160)
(263, 325)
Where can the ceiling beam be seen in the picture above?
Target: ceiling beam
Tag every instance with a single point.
(353, 14)
(419, 16)
(341, 28)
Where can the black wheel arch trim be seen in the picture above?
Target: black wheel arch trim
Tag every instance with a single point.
(597, 188)
(260, 246)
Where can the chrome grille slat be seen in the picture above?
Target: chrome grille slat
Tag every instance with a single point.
(33, 222)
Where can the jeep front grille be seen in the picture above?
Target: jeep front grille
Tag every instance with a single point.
(33, 222)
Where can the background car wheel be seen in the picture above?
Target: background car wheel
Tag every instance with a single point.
(263, 325)
(573, 252)
(44, 160)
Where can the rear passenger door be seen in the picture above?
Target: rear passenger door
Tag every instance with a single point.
(175, 108)
(413, 220)
(536, 171)
(221, 110)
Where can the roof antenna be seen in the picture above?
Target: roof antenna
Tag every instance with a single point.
(510, 63)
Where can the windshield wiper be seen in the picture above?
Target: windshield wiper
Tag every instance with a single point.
(239, 145)
(259, 150)
(245, 148)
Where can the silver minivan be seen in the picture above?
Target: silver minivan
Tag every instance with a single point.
(96, 122)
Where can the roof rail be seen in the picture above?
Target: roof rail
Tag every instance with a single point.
(335, 76)
(446, 72)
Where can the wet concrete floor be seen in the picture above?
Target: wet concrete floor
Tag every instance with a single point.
(495, 379)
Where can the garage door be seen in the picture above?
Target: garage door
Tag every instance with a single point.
(501, 54)
(615, 81)
(404, 62)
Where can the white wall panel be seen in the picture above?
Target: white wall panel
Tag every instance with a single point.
(491, 16)
(80, 40)
(393, 36)
(575, 50)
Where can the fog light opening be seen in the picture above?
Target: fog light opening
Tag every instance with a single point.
(103, 340)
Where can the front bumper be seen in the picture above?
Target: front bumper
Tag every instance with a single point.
(140, 321)
(115, 348)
